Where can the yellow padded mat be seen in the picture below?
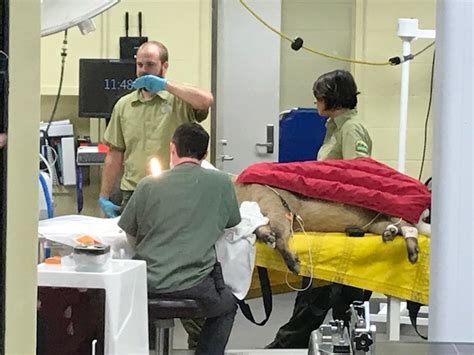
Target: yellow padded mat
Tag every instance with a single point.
(365, 262)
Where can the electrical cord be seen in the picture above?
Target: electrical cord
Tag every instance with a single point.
(51, 158)
(424, 49)
(427, 117)
(372, 221)
(61, 77)
(50, 151)
(46, 163)
(297, 44)
(404, 58)
(310, 255)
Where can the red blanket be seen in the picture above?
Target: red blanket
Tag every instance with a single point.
(361, 182)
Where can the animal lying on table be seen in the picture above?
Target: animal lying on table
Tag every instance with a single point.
(318, 215)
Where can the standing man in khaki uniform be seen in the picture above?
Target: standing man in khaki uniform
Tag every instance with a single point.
(141, 128)
(346, 138)
(143, 122)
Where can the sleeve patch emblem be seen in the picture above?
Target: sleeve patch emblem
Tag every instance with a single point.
(362, 147)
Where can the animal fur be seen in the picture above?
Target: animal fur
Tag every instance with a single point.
(318, 216)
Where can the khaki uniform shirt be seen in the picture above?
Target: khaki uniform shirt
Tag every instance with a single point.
(346, 138)
(177, 219)
(142, 129)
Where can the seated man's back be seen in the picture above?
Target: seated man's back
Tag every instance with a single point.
(180, 215)
(175, 220)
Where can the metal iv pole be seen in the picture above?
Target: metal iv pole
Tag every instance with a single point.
(407, 31)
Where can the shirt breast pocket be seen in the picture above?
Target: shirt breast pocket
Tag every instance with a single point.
(134, 130)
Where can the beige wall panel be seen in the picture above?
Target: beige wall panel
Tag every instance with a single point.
(22, 179)
(79, 46)
(384, 111)
(317, 15)
(175, 23)
(384, 15)
(325, 26)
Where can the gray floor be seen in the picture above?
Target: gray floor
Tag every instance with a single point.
(245, 335)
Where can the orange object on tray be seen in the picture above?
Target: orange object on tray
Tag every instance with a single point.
(86, 240)
(54, 260)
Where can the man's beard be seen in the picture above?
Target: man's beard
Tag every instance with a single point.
(160, 74)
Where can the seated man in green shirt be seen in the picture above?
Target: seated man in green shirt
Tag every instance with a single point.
(174, 221)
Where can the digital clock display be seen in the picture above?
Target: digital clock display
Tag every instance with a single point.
(101, 83)
(118, 84)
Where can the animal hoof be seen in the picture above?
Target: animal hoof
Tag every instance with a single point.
(265, 234)
(387, 236)
(412, 249)
(294, 265)
(389, 233)
(270, 240)
(413, 258)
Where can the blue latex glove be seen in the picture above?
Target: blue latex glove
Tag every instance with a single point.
(151, 83)
(110, 210)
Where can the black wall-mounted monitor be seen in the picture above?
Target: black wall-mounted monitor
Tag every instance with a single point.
(101, 83)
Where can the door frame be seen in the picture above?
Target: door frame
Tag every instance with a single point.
(214, 26)
(4, 24)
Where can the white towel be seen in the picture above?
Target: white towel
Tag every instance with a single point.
(236, 249)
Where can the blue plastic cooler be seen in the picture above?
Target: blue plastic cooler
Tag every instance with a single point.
(302, 133)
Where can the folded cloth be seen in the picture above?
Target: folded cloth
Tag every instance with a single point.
(236, 249)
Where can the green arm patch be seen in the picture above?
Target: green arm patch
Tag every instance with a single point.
(362, 147)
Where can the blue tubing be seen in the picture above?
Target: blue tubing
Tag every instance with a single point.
(49, 203)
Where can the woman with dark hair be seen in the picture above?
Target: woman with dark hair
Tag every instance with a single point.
(346, 138)
(336, 98)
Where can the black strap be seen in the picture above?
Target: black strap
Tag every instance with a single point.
(413, 309)
(266, 295)
(305, 282)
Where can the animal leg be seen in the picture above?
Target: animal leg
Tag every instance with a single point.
(281, 228)
(410, 233)
(291, 260)
(389, 229)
